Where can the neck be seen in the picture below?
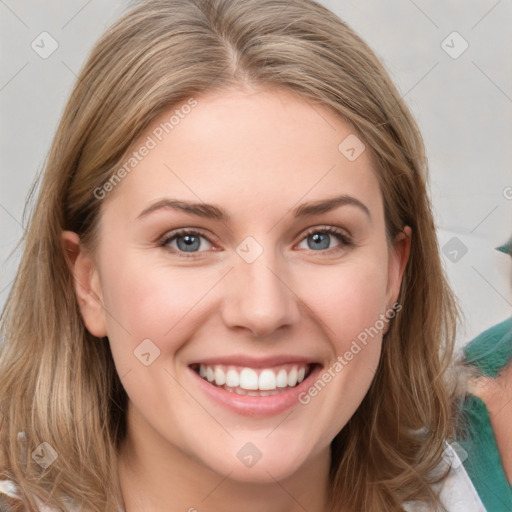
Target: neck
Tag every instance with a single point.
(156, 475)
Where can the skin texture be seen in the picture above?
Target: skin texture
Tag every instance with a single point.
(257, 154)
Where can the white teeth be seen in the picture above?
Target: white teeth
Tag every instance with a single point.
(282, 379)
(232, 379)
(249, 381)
(292, 377)
(220, 376)
(267, 380)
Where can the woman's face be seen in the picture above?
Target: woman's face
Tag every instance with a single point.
(245, 246)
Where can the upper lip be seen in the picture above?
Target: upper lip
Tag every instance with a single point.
(255, 362)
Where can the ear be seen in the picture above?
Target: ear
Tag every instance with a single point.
(86, 284)
(398, 258)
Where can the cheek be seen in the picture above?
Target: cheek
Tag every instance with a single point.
(347, 298)
(152, 302)
(148, 300)
(348, 302)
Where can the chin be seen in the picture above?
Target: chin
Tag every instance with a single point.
(259, 466)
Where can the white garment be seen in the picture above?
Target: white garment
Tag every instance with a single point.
(457, 493)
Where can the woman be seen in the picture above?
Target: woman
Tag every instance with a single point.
(231, 293)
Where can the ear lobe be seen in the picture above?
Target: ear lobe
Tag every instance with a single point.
(86, 284)
(398, 259)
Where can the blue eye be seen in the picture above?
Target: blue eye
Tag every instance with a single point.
(186, 241)
(320, 239)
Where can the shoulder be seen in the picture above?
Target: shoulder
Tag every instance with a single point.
(456, 491)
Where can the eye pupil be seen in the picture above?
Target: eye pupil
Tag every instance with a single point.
(321, 240)
(191, 243)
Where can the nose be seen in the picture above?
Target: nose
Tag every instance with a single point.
(260, 296)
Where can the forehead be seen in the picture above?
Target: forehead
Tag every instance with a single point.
(266, 148)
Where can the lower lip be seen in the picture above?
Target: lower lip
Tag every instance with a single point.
(259, 406)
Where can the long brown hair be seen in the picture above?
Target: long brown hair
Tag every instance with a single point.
(58, 383)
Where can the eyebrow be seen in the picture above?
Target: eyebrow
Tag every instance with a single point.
(211, 211)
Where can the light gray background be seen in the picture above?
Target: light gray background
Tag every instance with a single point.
(463, 106)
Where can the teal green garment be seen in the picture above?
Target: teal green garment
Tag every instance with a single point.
(489, 352)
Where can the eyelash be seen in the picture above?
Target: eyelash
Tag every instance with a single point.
(345, 239)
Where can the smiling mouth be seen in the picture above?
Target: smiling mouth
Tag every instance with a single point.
(254, 381)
